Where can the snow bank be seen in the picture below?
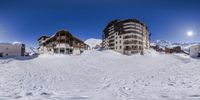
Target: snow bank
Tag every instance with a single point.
(101, 75)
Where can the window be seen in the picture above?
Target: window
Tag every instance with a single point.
(70, 51)
(62, 50)
(120, 36)
(6, 48)
(1, 54)
(116, 42)
(127, 48)
(120, 47)
(120, 41)
(56, 50)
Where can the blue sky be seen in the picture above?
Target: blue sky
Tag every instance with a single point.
(27, 20)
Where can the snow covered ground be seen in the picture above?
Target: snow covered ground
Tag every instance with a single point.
(101, 75)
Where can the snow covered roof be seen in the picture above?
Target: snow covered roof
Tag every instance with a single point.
(5, 43)
(62, 31)
(17, 43)
(14, 43)
(43, 36)
(194, 45)
(172, 46)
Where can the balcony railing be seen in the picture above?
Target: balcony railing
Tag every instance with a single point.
(132, 42)
(111, 41)
(130, 36)
(133, 48)
(111, 44)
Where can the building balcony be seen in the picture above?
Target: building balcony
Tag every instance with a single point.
(111, 45)
(132, 42)
(111, 37)
(62, 45)
(131, 36)
(111, 41)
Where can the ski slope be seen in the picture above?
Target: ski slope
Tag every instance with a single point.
(101, 75)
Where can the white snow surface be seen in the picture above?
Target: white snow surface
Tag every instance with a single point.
(101, 75)
(92, 42)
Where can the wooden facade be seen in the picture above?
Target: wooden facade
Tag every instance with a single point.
(61, 42)
(176, 49)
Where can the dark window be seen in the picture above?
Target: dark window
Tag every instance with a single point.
(67, 51)
(120, 36)
(56, 50)
(120, 41)
(120, 47)
(70, 50)
(127, 47)
(62, 50)
(116, 42)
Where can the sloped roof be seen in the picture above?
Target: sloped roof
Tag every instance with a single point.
(65, 32)
(43, 36)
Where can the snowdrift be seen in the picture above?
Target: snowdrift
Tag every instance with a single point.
(101, 75)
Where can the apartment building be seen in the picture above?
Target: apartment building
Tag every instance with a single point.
(12, 49)
(128, 36)
(62, 42)
(194, 50)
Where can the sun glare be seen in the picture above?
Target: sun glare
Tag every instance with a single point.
(190, 33)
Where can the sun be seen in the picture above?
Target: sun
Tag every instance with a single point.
(190, 33)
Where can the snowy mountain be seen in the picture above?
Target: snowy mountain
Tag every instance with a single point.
(31, 50)
(93, 42)
(164, 43)
(161, 43)
(101, 75)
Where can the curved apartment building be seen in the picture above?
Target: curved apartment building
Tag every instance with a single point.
(126, 36)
